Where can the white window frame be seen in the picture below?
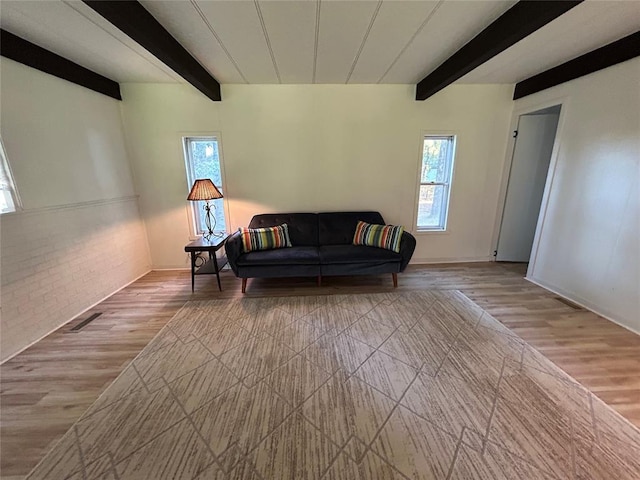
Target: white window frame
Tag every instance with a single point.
(8, 190)
(195, 211)
(444, 211)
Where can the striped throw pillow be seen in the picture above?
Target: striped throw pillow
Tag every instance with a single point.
(265, 238)
(381, 236)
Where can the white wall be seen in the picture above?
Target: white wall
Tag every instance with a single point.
(589, 238)
(80, 236)
(320, 147)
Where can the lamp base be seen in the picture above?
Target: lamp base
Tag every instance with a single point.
(207, 221)
(207, 236)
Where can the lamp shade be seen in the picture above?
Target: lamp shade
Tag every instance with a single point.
(203, 189)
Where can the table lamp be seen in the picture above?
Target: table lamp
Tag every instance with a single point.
(204, 189)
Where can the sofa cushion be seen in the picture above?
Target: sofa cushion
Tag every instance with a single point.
(266, 238)
(338, 228)
(381, 236)
(281, 256)
(356, 254)
(303, 227)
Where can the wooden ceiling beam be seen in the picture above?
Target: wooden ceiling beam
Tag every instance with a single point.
(34, 56)
(133, 19)
(521, 20)
(616, 52)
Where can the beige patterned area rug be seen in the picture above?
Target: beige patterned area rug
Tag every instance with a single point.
(418, 385)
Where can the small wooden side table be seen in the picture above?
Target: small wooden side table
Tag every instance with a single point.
(203, 266)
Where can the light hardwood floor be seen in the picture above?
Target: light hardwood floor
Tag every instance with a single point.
(45, 389)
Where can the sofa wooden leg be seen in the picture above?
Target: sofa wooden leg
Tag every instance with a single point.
(319, 280)
(395, 280)
(244, 285)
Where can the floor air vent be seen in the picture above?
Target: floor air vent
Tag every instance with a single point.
(85, 322)
(569, 303)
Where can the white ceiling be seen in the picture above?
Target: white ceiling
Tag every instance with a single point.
(76, 32)
(590, 25)
(316, 41)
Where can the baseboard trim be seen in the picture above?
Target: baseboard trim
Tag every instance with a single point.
(75, 316)
(170, 269)
(181, 269)
(427, 261)
(582, 303)
(414, 261)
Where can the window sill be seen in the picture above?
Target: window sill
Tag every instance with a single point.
(432, 232)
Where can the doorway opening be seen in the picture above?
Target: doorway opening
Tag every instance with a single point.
(535, 137)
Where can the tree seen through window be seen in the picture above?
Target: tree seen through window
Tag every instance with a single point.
(203, 161)
(435, 178)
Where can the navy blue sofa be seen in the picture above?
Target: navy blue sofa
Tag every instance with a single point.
(322, 245)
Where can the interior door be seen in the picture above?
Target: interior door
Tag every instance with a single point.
(529, 168)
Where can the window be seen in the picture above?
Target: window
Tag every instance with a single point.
(436, 170)
(202, 158)
(8, 195)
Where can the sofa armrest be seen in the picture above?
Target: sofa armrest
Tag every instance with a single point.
(233, 248)
(407, 246)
